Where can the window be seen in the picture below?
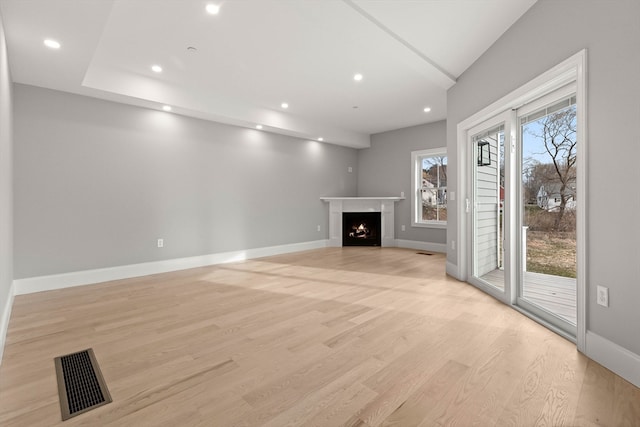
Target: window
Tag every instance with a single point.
(429, 177)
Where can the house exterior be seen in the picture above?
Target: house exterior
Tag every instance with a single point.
(429, 193)
(549, 197)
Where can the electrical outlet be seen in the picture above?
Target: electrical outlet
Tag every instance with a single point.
(403, 228)
(349, 169)
(402, 194)
(161, 243)
(603, 296)
(453, 245)
(452, 195)
(318, 227)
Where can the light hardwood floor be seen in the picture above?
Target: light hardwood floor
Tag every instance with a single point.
(337, 336)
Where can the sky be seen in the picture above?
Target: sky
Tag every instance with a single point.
(532, 146)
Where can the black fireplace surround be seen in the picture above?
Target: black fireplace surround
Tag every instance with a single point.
(361, 229)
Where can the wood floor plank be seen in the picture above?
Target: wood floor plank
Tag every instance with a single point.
(626, 411)
(595, 410)
(526, 405)
(329, 397)
(416, 408)
(332, 337)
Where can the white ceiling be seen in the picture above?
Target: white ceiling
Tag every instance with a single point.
(256, 54)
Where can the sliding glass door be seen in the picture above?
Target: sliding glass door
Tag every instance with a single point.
(487, 206)
(522, 207)
(547, 211)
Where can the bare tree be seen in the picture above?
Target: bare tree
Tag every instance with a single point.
(434, 168)
(434, 171)
(532, 180)
(558, 133)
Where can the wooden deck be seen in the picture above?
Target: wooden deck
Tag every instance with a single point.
(552, 293)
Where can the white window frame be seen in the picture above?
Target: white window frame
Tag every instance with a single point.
(416, 185)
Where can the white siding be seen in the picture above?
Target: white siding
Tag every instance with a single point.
(486, 215)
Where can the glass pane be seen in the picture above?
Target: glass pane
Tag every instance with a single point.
(548, 261)
(443, 172)
(433, 193)
(488, 203)
(442, 204)
(429, 205)
(433, 171)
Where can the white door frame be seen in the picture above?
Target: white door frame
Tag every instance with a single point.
(506, 118)
(571, 70)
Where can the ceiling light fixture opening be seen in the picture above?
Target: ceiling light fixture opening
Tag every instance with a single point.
(321, 139)
(52, 44)
(427, 109)
(166, 107)
(213, 9)
(284, 105)
(156, 68)
(357, 77)
(258, 127)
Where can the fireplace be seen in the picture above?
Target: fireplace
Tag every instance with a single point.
(361, 229)
(382, 206)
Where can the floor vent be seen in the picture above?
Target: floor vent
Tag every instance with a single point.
(424, 253)
(81, 386)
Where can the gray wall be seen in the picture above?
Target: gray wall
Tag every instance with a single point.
(548, 33)
(385, 170)
(97, 183)
(6, 186)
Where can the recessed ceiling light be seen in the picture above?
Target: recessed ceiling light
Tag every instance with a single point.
(156, 68)
(213, 9)
(258, 126)
(427, 109)
(52, 44)
(284, 105)
(166, 107)
(357, 77)
(321, 139)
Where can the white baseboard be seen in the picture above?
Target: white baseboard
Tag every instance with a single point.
(452, 270)
(6, 315)
(87, 277)
(422, 246)
(614, 357)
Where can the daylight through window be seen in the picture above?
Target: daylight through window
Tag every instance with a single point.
(430, 185)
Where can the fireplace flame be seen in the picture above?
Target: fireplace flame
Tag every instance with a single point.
(360, 231)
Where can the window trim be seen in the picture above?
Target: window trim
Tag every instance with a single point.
(416, 184)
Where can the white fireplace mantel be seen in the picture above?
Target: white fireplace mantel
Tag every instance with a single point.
(384, 205)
